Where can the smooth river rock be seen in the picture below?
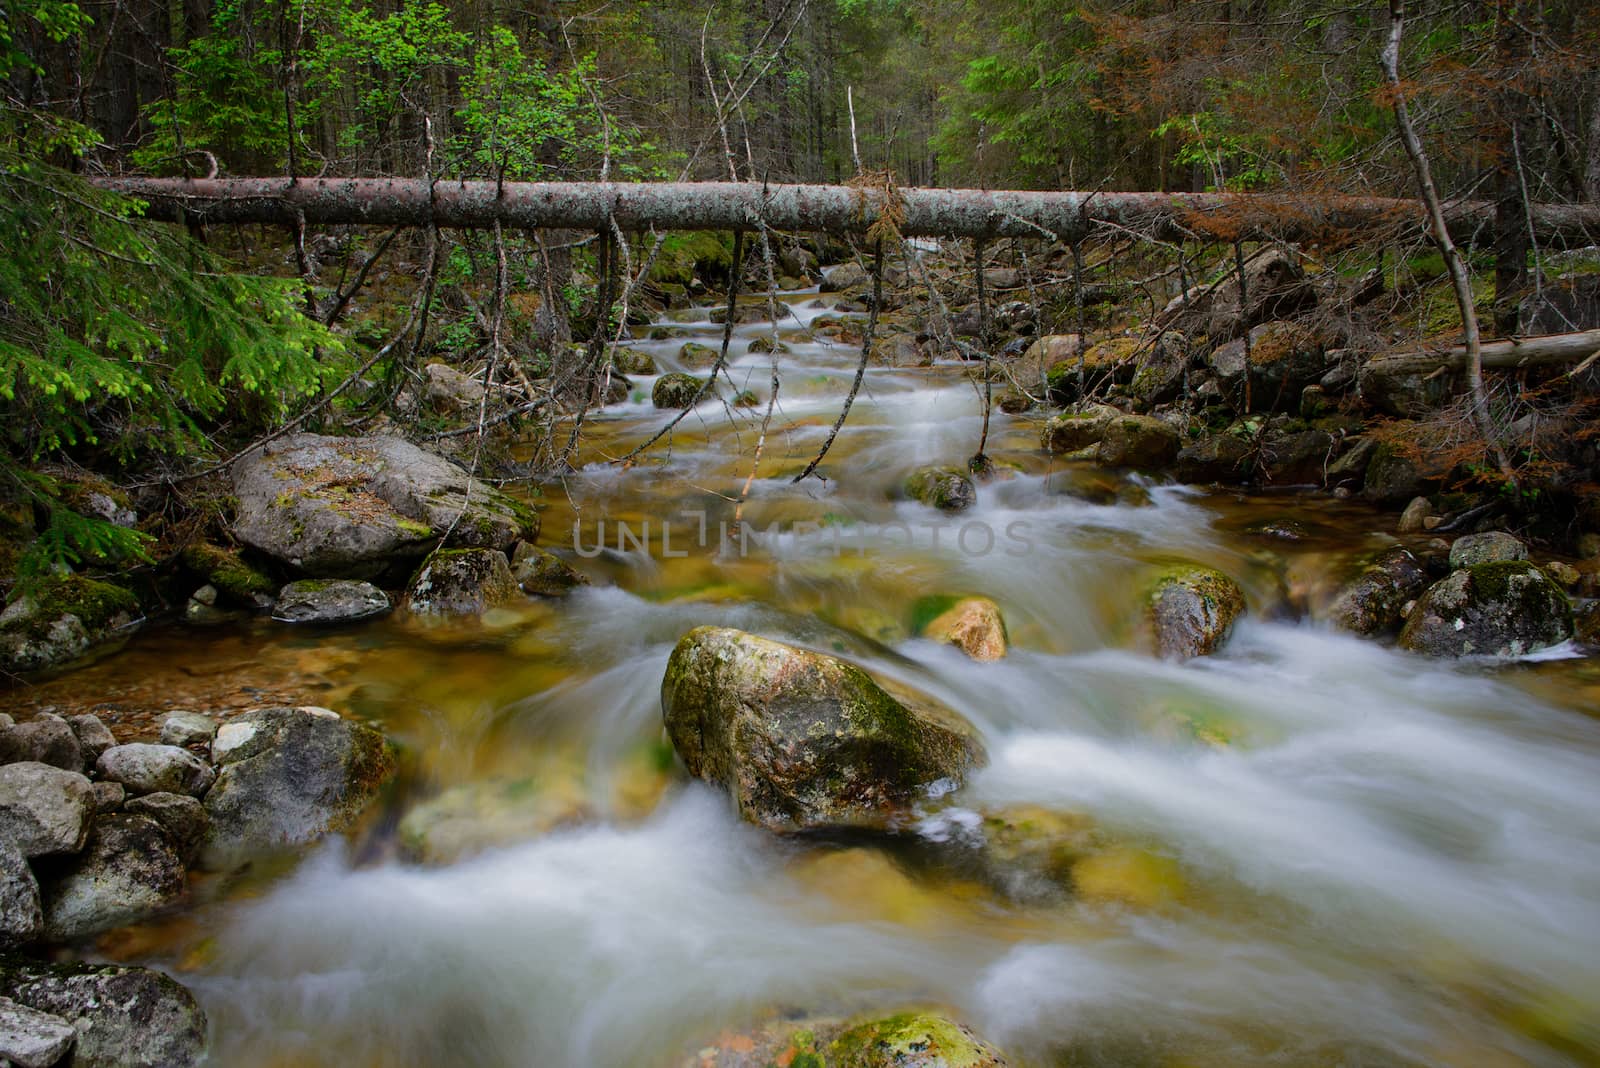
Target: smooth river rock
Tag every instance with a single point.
(1494, 546)
(145, 768)
(43, 809)
(802, 739)
(32, 1039)
(1190, 611)
(45, 739)
(329, 601)
(944, 488)
(972, 624)
(286, 777)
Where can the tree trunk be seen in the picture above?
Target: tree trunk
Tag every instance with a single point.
(969, 213)
(1515, 352)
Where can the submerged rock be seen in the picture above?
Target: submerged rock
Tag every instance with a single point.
(1487, 548)
(476, 816)
(462, 582)
(143, 768)
(349, 507)
(128, 871)
(21, 919)
(43, 809)
(1373, 602)
(32, 1039)
(944, 488)
(123, 1016)
(286, 777)
(971, 624)
(910, 1039)
(802, 739)
(329, 601)
(1503, 608)
(62, 619)
(544, 573)
(1190, 611)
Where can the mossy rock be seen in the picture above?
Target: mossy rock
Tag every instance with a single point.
(632, 361)
(685, 255)
(766, 344)
(235, 580)
(1190, 611)
(1075, 430)
(746, 398)
(911, 1040)
(1138, 441)
(544, 573)
(677, 390)
(698, 356)
(1371, 604)
(462, 582)
(944, 488)
(61, 619)
(1504, 608)
(802, 739)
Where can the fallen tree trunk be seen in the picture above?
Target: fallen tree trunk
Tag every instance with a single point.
(837, 209)
(1514, 352)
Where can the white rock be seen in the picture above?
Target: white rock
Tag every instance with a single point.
(44, 809)
(32, 1039)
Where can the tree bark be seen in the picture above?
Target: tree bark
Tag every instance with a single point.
(836, 209)
(1515, 352)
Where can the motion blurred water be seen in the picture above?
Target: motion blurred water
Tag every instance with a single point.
(1367, 858)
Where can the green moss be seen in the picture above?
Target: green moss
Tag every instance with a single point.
(227, 571)
(1533, 597)
(414, 527)
(683, 255)
(96, 604)
(927, 609)
(894, 1040)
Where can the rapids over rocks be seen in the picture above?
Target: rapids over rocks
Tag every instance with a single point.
(1305, 849)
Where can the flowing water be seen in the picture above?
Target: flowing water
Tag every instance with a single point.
(1314, 850)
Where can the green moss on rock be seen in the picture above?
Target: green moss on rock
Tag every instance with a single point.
(911, 1040)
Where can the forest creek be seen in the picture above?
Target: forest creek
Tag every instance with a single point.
(926, 640)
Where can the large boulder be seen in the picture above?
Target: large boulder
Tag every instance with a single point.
(1490, 547)
(1071, 431)
(677, 390)
(63, 619)
(329, 601)
(1227, 456)
(32, 1039)
(1275, 286)
(143, 768)
(45, 739)
(1503, 608)
(1139, 441)
(1269, 374)
(462, 582)
(287, 776)
(128, 871)
(1373, 602)
(1081, 374)
(1190, 611)
(44, 810)
(350, 507)
(21, 919)
(944, 488)
(801, 739)
(123, 1016)
(1159, 371)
